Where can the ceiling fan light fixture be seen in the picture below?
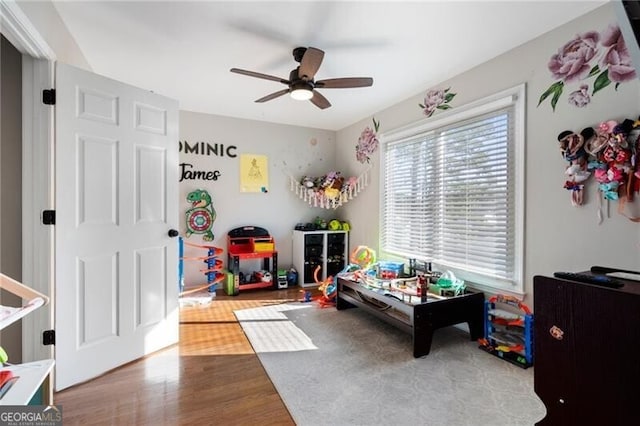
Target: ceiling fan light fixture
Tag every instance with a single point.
(301, 91)
(301, 83)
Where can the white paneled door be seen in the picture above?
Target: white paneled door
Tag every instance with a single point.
(116, 200)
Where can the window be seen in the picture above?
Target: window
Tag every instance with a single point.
(452, 191)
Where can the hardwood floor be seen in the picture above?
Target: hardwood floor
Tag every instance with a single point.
(211, 377)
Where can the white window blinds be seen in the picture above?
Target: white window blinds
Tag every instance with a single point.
(448, 197)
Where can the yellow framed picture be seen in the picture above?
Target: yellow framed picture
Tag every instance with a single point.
(254, 173)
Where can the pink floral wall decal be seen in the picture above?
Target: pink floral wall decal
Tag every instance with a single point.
(436, 99)
(591, 54)
(367, 142)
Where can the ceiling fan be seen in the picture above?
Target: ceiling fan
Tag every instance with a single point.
(301, 83)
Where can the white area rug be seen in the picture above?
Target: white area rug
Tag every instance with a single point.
(269, 330)
(273, 312)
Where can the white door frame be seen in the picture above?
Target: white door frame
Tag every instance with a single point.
(37, 172)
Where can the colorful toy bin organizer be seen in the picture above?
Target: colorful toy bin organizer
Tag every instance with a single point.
(390, 270)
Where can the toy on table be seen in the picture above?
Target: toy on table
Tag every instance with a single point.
(363, 256)
(448, 284)
(362, 259)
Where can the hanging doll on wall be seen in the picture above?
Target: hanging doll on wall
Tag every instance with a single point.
(572, 148)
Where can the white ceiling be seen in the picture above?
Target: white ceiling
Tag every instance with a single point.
(184, 50)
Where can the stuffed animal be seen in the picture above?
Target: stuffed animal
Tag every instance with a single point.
(331, 193)
(307, 182)
(329, 179)
(337, 183)
(335, 225)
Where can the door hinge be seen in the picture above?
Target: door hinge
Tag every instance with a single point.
(49, 217)
(49, 96)
(49, 337)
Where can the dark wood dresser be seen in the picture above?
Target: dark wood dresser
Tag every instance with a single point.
(587, 352)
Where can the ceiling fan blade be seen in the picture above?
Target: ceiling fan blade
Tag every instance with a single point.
(320, 101)
(310, 63)
(273, 95)
(259, 75)
(344, 83)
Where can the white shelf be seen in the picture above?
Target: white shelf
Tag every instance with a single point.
(9, 315)
(33, 301)
(30, 377)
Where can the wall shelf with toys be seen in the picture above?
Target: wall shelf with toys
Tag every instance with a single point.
(508, 334)
(329, 191)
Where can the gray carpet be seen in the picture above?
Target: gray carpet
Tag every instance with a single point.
(364, 373)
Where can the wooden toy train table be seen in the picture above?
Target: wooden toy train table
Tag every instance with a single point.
(420, 319)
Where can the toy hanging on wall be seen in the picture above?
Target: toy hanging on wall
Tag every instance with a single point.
(573, 150)
(611, 159)
(330, 190)
(200, 217)
(609, 153)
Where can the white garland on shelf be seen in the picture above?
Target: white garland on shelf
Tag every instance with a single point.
(317, 198)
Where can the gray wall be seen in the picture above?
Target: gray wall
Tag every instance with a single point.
(290, 150)
(558, 236)
(10, 187)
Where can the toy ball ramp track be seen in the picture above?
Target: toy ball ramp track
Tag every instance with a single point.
(218, 278)
(212, 271)
(217, 251)
(508, 333)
